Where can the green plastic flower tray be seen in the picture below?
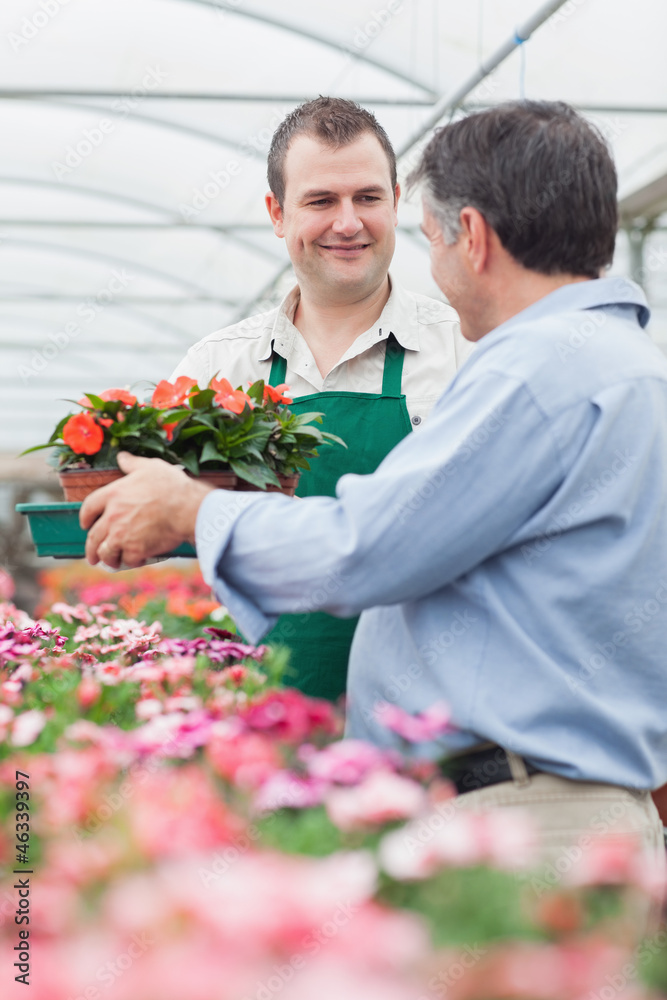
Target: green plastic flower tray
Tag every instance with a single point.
(56, 531)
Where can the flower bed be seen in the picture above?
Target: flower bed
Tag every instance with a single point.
(194, 830)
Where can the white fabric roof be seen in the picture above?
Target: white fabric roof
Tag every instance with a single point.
(117, 116)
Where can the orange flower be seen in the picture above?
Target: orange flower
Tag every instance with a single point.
(170, 430)
(228, 398)
(277, 393)
(122, 395)
(168, 395)
(133, 603)
(83, 435)
(105, 421)
(110, 396)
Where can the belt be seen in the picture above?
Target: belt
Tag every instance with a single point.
(482, 768)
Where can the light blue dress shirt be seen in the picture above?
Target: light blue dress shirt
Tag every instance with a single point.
(510, 559)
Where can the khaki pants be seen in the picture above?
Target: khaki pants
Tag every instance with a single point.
(570, 815)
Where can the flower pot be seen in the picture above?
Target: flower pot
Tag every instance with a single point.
(288, 485)
(78, 483)
(222, 479)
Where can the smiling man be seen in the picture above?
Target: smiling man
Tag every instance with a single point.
(347, 340)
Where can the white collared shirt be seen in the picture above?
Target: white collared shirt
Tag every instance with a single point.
(428, 330)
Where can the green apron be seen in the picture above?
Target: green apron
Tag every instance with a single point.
(371, 425)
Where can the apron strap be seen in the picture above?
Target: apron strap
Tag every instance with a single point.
(393, 367)
(391, 378)
(278, 370)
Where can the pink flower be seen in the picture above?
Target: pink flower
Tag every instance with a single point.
(27, 727)
(346, 762)
(68, 614)
(178, 811)
(380, 798)
(453, 837)
(509, 839)
(420, 728)
(88, 692)
(618, 859)
(285, 790)
(246, 759)
(6, 586)
(148, 708)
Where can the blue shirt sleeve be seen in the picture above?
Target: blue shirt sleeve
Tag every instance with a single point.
(442, 502)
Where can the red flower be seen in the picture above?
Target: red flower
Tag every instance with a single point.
(277, 393)
(170, 430)
(290, 715)
(105, 421)
(168, 395)
(228, 398)
(83, 435)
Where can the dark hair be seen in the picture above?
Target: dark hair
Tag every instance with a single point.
(542, 177)
(335, 122)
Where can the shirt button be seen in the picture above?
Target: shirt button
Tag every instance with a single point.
(416, 421)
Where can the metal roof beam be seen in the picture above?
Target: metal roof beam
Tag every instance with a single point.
(10, 94)
(181, 335)
(113, 196)
(118, 300)
(313, 36)
(163, 123)
(108, 259)
(647, 203)
(602, 109)
(449, 104)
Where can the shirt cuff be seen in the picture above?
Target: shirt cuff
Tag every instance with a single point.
(217, 516)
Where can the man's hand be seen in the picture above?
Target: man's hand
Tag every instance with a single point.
(152, 510)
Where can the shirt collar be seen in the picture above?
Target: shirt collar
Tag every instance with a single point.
(593, 294)
(399, 317)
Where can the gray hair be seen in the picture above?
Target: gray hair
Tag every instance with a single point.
(447, 214)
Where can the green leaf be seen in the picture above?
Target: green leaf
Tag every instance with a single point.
(36, 447)
(306, 418)
(256, 473)
(210, 453)
(332, 438)
(190, 462)
(256, 390)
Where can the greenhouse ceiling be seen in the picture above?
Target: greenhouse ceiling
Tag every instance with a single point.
(135, 133)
